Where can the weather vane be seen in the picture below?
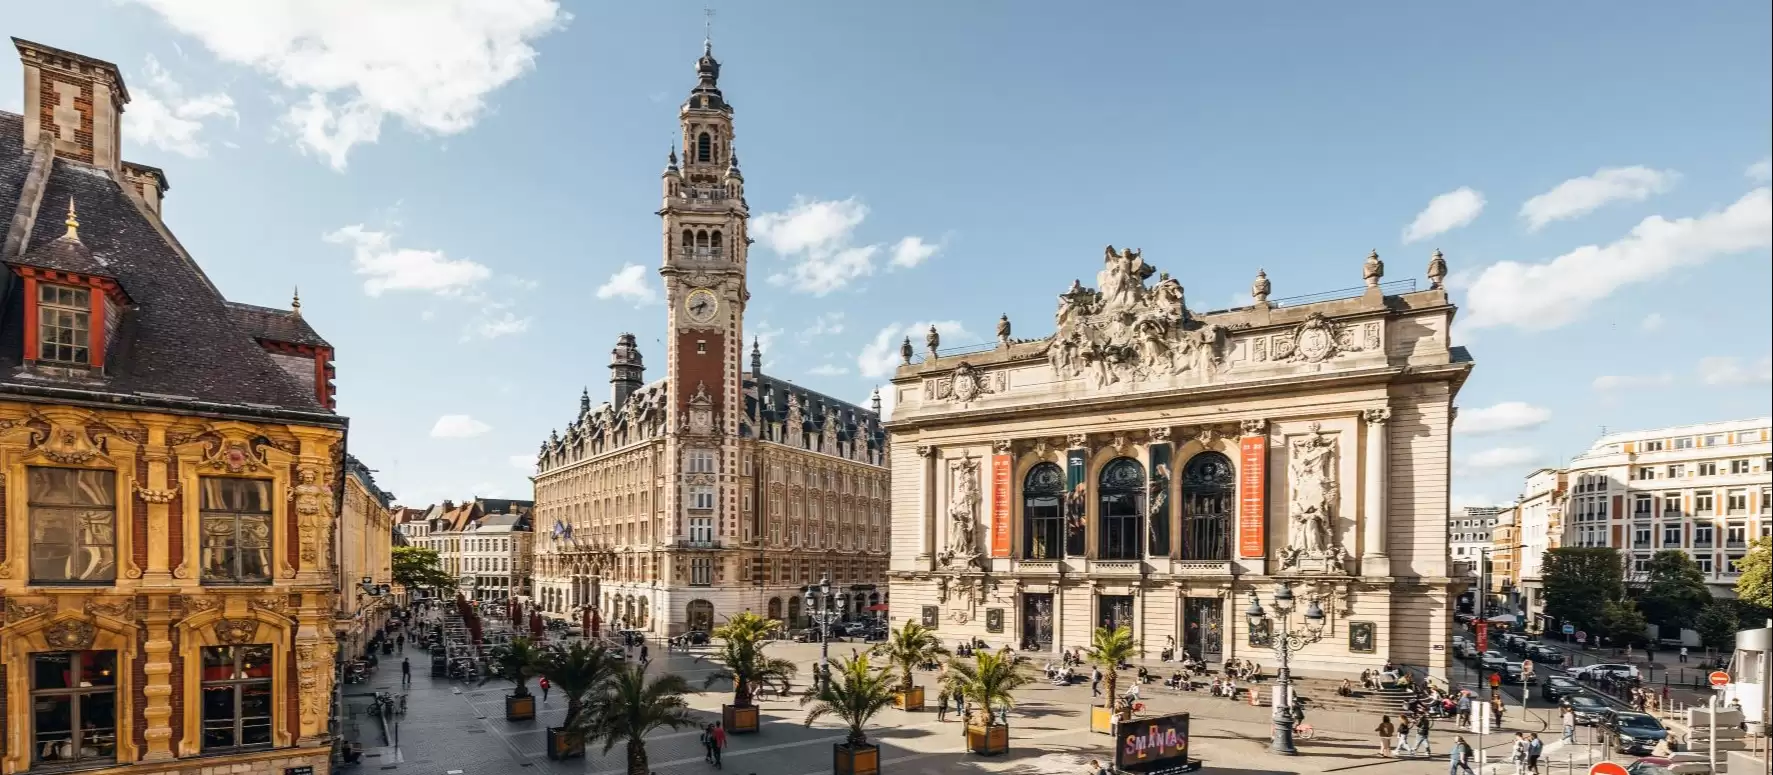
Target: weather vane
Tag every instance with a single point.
(708, 25)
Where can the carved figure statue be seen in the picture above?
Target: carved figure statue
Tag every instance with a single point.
(963, 516)
(313, 506)
(1125, 332)
(905, 351)
(1311, 469)
(1437, 269)
(1003, 330)
(1167, 298)
(1122, 279)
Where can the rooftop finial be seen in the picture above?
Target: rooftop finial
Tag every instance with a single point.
(295, 302)
(73, 223)
(707, 31)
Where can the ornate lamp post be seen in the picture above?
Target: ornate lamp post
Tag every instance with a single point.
(1286, 642)
(819, 602)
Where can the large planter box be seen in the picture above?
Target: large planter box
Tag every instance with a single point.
(520, 708)
(1101, 720)
(739, 721)
(910, 699)
(988, 740)
(558, 748)
(860, 760)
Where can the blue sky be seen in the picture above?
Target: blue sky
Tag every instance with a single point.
(453, 183)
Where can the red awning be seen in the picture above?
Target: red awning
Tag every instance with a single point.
(878, 607)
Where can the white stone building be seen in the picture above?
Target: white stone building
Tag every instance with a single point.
(1539, 516)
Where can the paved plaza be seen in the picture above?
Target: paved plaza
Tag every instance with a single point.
(455, 728)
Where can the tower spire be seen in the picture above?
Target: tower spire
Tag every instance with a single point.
(295, 302)
(707, 32)
(73, 223)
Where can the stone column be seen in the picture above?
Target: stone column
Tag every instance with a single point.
(158, 495)
(927, 553)
(158, 691)
(1375, 560)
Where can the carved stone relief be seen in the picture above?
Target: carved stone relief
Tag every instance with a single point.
(236, 632)
(17, 611)
(1127, 332)
(122, 609)
(965, 383)
(70, 635)
(313, 507)
(1311, 469)
(963, 516)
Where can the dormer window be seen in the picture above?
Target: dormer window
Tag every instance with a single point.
(64, 324)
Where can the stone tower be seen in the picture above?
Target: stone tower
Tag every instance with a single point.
(703, 219)
(625, 370)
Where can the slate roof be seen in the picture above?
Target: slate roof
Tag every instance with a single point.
(65, 253)
(179, 341)
(274, 325)
(766, 400)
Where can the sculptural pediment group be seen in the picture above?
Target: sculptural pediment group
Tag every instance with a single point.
(1126, 331)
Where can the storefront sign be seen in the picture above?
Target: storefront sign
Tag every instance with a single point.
(1000, 505)
(1156, 746)
(1252, 511)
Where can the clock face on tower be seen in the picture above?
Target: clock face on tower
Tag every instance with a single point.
(701, 305)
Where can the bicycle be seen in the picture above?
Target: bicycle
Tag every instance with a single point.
(1303, 731)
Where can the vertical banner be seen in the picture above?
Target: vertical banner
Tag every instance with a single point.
(1252, 505)
(1076, 501)
(1000, 505)
(1157, 500)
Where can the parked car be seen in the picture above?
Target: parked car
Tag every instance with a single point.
(694, 638)
(1558, 687)
(1631, 732)
(1512, 674)
(1465, 650)
(1546, 655)
(1493, 661)
(1588, 709)
(1651, 765)
(1595, 671)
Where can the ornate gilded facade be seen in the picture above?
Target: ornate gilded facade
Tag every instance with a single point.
(716, 489)
(1148, 466)
(169, 473)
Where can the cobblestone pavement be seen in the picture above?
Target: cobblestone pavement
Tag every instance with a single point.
(454, 728)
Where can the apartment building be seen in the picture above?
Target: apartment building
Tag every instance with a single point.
(1538, 516)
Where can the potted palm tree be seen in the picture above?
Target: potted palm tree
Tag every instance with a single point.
(1108, 650)
(629, 707)
(909, 648)
(577, 670)
(742, 661)
(517, 662)
(989, 680)
(854, 694)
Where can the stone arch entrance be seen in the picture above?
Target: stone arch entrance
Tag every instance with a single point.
(699, 615)
(643, 612)
(775, 608)
(793, 611)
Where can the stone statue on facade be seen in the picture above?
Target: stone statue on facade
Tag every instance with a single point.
(1437, 269)
(1260, 288)
(1311, 470)
(905, 351)
(963, 517)
(1373, 269)
(1126, 332)
(1003, 330)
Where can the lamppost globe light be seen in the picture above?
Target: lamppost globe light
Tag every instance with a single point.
(1314, 616)
(1255, 613)
(1283, 599)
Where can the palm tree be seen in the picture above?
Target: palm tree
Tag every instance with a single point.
(989, 679)
(742, 659)
(1108, 650)
(517, 662)
(578, 670)
(629, 707)
(910, 647)
(854, 694)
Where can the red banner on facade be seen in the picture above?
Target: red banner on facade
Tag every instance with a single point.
(1252, 511)
(1000, 505)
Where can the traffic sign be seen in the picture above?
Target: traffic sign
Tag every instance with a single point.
(1607, 768)
(1527, 666)
(1569, 628)
(1719, 678)
(1581, 636)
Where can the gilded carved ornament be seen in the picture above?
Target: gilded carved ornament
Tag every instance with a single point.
(17, 611)
(70, 635)
(236, 632)
(1078, 441)
(313, 507)
(196, 604)
(122, 609)
(1254, 427)
(151, 495)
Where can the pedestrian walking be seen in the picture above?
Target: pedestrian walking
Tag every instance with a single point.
(942, 705)
(719, 743)
(708, 744)
(405, 672)
(1569, 719)
(643, 656)
(1683, 653)
(1535, 749)
(1422, 735)
(401, 640)
(545, 687)
(1385, 731)
(1403, 732)
(1095, 682)
(1460, 760)
(1517, 753)
(1464, 708)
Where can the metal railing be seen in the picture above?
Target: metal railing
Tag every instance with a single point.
(1388, 288)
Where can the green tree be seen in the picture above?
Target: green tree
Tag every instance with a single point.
(416, 567)
(517, 662)
(1755, 585)
(742, 659)
(909, 647)
(854, 694)
(1579, 582)
(1717, 624)
(1622, 621)
(578, 670)
(990, 679)
(629, 707)
(1674, 591)
(1108, 650)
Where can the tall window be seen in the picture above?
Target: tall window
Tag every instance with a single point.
(701, 571)
(73, 707)
(73, 516)
(236, 529)
(64, 319)
(701, 497)
(704, 148)
(701, 461)
(1043, 512)
(701, 529)
(236, 697)
(1209, 489)
(1121, 510)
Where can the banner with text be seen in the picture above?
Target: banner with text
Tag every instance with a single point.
(1000, 505)
(1252, 511)
(1154, 746)
(1076, 499)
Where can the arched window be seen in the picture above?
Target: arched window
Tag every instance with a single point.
(775, 609)
(793, 608)
(1121, 510)
(689, 239)
(714, 241)
(701, 239)
(1043, 518)
(1209, 489)
(704, 148)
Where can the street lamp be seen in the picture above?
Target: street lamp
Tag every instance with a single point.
(1286, 641)
(819, 601)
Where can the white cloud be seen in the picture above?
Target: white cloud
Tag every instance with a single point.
(827, 324)
(491, 325)
(1577, 197)
(821, 275)
(458, 426)
(1760, 171)
(1653, 322)
(1632, 382)
(1500, 457)
(1552, 294)
(1444, 213)
(161, 114)
(629, 283)
(1505, 416)
(828, 370)
(430, 64)
(405, 269)
(524, 463)
(880, 357)
(911, 251)
(1726, 371)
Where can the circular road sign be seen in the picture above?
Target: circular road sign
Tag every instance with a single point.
(1527, 666)
(1607, 768)
(1582, 635)
(1719, 678)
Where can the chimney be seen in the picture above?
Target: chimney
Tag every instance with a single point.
(75, 102)
(147, 182)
